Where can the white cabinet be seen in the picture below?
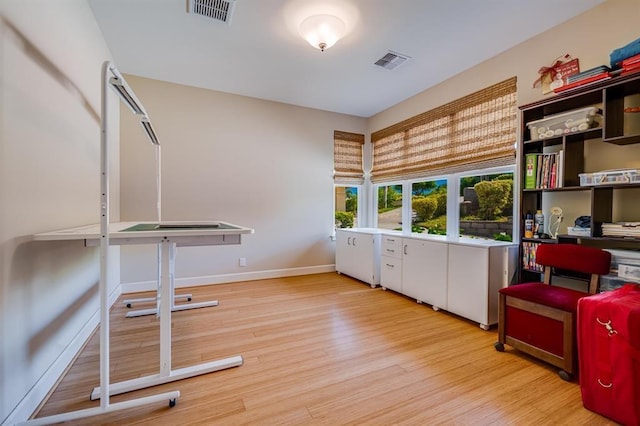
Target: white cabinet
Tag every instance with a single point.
(424, 271)
(391, 263)
(358, 254)
(476, 273)
(462, 276)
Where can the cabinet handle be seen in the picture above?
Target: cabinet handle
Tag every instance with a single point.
(390, 240)
(354, 241)
(405, 249)
(391, 251)
(390, 266)
(348, 241)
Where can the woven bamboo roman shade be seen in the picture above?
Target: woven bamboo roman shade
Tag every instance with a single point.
(474, 132)
(347, 157)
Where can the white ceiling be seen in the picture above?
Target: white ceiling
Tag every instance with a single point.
(261, 54)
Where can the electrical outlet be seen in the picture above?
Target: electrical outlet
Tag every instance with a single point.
(242, 261)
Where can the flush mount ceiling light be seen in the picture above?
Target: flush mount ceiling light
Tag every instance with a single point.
(322, 31)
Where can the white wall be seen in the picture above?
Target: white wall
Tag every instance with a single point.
(50, 60)
(256, 163)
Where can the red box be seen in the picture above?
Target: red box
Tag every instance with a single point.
(609, 353)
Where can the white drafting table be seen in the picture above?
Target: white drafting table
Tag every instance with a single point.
(167, 236)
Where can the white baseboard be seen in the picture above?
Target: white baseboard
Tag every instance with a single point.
(50, 378)
(229, 278)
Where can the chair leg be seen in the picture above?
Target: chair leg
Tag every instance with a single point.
(502, 307)
(567, 377)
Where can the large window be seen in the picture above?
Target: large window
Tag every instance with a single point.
(457, 160)
(476, 204)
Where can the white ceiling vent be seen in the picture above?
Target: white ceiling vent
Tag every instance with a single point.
(219, 10)
(392, 60)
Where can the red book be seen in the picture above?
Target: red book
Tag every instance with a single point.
(584, 81)
(630, 71)
(632, 60)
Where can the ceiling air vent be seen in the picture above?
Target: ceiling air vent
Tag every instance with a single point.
(392, 60)
(219, 10)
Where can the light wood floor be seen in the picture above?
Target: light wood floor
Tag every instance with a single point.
(323, 349)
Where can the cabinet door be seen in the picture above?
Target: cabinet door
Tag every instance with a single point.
(468, 282)
(356, 256)
(391, 273)
(424, 271)
(343, 243)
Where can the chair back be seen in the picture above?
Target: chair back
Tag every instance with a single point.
(574, 257)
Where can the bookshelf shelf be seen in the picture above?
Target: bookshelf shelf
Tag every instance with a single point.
(566, 156)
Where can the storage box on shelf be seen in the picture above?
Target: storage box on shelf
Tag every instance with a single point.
(610, 177)
(564, 123)
(613, 97)
(579, 232)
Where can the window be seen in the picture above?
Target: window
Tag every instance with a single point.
(486, 205)
(429, 206)
(457, 160)
(390, 207)
(346, 206)
(348, 177)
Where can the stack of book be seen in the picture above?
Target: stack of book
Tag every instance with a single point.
(543, 171)
(621, 229)
(529, 256)
(583, 78)
(631, 65)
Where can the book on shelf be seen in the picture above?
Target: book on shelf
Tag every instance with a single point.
(588, 73)
(630, 68)
(585, 81)
(531, 169)
(543, 171)
(529, 256)
(631, 61)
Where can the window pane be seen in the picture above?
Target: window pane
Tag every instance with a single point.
(429, 207)
(390, 207)
(486, 206)
(346, 202)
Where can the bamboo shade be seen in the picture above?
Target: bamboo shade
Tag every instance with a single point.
(347, 157)
(473, 132)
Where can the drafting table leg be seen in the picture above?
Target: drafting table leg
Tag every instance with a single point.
(174, 307)
(166, 258)
(130, 302)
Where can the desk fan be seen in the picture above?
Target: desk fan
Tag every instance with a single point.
(554, 221)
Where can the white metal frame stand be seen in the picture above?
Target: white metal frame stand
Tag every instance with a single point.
(105, 406)
(166, 258)
(174, 308)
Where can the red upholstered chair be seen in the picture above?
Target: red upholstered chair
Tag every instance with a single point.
(540, 319)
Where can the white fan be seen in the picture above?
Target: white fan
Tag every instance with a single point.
(554, 221)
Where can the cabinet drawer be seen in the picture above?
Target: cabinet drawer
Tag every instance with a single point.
(391, 273)
(392, 246)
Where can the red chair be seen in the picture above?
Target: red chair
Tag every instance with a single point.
(540, 319)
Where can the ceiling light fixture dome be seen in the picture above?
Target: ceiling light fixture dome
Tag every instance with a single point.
(322, 31)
